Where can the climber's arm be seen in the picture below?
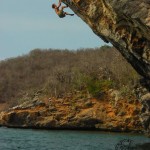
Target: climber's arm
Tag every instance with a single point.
(59, 4)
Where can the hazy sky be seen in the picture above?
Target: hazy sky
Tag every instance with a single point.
(30, 24)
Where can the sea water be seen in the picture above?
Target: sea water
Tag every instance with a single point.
(28, 139)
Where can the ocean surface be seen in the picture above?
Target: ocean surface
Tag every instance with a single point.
(28, 139)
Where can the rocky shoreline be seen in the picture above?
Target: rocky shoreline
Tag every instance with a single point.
(77, 114)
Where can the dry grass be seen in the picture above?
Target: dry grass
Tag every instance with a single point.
(58, 72)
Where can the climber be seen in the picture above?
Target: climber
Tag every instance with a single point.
(60, 11)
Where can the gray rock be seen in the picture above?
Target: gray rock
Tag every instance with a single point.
(145, 116)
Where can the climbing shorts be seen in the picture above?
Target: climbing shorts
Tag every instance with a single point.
(61, 13)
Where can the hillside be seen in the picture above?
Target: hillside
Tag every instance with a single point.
(58, 72)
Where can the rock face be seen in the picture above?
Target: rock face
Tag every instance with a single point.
(124, 23)
(145, 116)
(74, 114)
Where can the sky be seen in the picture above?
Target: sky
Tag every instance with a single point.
(29, 24)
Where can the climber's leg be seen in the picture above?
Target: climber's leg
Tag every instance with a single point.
(69, 14)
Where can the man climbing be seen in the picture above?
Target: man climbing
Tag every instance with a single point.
(60, 12)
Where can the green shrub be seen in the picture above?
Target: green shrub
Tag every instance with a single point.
(97, 87)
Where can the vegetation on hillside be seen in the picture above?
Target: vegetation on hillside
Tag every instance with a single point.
(59, 72)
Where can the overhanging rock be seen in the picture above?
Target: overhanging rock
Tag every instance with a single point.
(123, 23)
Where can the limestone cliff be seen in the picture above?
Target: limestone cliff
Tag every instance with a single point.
(75, 113)
(123, 23)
